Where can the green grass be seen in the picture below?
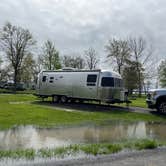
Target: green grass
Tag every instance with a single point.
(136, 102)
(16, 154)
(72, 150)
(141, 144)
(28, 112)
(99, 149)
(28, 91)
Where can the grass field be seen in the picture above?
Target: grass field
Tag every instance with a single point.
(20, 109)
(25, 109)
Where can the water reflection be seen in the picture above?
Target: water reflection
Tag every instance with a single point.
(31, 137)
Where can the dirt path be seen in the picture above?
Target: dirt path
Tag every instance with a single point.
(71, 107)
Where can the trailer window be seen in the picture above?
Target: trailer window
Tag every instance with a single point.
(107, 82)
(44, 78)
(51, 80)
(91, 80)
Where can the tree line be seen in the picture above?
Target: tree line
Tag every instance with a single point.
(21, 65)
(132, 58)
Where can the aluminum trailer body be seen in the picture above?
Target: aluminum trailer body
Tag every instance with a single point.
(99, 85)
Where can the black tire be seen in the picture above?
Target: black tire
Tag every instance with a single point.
(81, 101)
(55, 99)
(72, 100)
(63, 99)
(161, 107)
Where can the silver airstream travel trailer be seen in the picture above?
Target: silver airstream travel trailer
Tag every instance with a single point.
(73, 84)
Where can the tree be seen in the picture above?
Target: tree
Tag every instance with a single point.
(162, 73)
(141, 55)
(0, 68)
(16, 42)
(130, 76)
(28, 69)
(147, 85)
(0, 62)
(119, 52)
(51, 59)
(74, 62)
(38, 67)
(91, 58)
(6, 73)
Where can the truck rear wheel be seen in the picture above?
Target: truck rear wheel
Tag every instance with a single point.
(55, 99)
(162, 107)
(64, 99)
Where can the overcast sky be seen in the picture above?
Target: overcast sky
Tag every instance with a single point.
(75, 25)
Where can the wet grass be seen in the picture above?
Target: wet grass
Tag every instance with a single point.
(19, 109)
(87, 149)
(141, 144)
(99, 149)
(16, 154)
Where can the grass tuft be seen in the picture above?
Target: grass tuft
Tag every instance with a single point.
(146, 144)
(27, 154)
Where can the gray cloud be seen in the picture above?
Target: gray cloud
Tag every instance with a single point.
(75, 25)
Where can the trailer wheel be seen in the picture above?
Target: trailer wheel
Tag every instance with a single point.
(64, 99)
(80, 101)
(72, 100)
(55, 99)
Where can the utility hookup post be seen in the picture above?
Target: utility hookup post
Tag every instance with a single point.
(127, 103)
(126, 99)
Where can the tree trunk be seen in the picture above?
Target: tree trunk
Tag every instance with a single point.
(119, 69)
(139, 84)
(15, 79)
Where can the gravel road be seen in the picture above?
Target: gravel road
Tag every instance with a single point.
(156, 157)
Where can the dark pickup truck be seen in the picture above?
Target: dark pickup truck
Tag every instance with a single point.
(156, 98)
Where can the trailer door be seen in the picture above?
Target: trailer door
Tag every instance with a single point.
(91, 86)
(44, 84)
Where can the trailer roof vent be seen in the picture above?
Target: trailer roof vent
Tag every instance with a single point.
(68, 69)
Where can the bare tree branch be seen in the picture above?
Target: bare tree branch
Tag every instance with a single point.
(119, 51)
(91, 58)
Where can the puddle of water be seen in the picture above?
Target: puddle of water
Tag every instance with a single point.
(24, 137)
